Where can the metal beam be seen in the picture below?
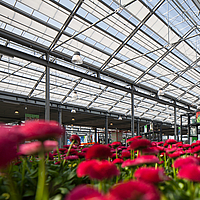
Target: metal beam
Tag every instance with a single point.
(175, 126)
(132, 113)
(132, 34)
(82, 75)
(36, 84)
(163, 56)
(106, 129)
(47, 88)
(64, 26)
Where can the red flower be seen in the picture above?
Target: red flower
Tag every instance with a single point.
(76, 139)
(9, 138)
(72, 152)
(98, 151)
(171, 150)
(175, 155)
(150, 174)
(195, 144)
(85, 149)
(83, 192)
(160, 143)
(116, 144)
(186, 146)
(171, 141)
(73, 157)
(118, 161)
(146, 159)
(160, 148)
(42, 129)
(134, 190)
(181, 162)
(97, 169)
(81, 155)
(84, 167)
(150, 151)
(126, 154)
(196, 149)
(190, 172)
(140, 144)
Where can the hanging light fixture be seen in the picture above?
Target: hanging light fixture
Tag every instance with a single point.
(120, 118)
(76, 58)
(161, 92)
(73, 110)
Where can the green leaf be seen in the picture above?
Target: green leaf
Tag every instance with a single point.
(57, 197)
(64, 190)
(29, 193)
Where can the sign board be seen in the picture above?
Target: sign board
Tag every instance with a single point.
(29, 117)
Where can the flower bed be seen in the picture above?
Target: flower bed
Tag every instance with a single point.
(144, 170)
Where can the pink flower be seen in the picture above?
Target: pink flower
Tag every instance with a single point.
(9, 139)
(190, 172)
(98, 151)
(196, 149)
(140, 144)
(76, 139)
(49, 145)
(118, 161)
(171, 141)
(97, 169)
(134, 190)
(42, 129)
(126, 154)
(73, 157)
(81, 155)
(85, 149)
(186, 146)
(150, 151)
(83, 192)
(175, 155)
(146, 159)
(181, 162)
(171, 150)
(116, 144)
(150, 174)
(30, 148)
(160, 143)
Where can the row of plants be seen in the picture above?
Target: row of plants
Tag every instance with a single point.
(143, 170)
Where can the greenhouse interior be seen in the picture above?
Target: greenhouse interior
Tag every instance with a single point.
(106, 71)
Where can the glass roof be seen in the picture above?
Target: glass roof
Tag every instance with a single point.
(148, 43)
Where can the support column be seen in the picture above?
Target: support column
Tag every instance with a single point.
(175, 125)
(61, 138)
(161, 139)
(47, 107)
(95, 135)
(132, 113)
(188, 128)
(181, 127)
(138, 127)
(106, 129)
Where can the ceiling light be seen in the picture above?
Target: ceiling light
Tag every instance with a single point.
(73, 119)
(76, 58)
(161, 92)
(16, 112)
(120, 118)
(73, 111)
(111, 123)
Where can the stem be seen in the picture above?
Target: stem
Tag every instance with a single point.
(100, 186)
(156, 165)
(70, 147)
(41, 192)
(116, 154)
(23, 174)
(137, 153)
(59, 159)
(14, 195)
(174, 170)
(165, 160)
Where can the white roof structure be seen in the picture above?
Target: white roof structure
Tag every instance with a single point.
(139, 45)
